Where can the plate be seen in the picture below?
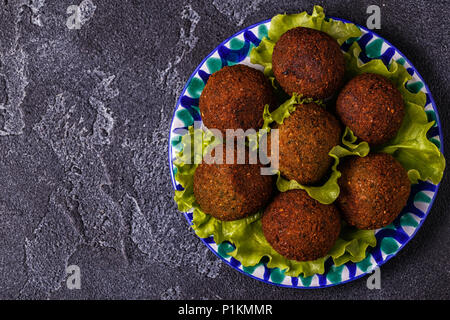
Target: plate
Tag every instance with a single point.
(390, 239)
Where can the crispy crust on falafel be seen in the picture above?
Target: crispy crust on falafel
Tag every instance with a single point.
(234, 98)
(308, 62)
(231, 191)
(305, 139)
(374, 190)
(299, 227)
(372, 107)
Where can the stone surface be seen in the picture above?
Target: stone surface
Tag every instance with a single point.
(84, 121)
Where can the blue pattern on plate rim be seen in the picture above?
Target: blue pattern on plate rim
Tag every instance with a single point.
(391, 239)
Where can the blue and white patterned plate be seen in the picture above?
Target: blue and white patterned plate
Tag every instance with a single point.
(391, 239)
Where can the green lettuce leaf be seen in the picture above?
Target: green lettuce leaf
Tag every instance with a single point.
(246, 234)
(329, 191)
(198, 142)
(411, 147)
(416, 153)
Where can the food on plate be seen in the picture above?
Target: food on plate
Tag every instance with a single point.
(305, 139)
(367, 188)
(372, 107)
(299, 227)
(308, 62)
(234, 98)
(374, 190)
(231, 191)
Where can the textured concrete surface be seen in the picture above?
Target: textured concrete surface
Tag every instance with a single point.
(84, 121)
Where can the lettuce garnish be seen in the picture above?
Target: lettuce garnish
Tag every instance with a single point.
(246, 234)
(411, 147)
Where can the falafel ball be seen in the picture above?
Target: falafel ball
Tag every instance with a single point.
(372, 107)
(234, 98)
(305, 139)
(231, 191)
(308, 62)
(374, 190)
(299, 227)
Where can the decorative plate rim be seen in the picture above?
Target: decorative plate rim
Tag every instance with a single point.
(388, 257)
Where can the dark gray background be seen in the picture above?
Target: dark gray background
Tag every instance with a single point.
(84, 123)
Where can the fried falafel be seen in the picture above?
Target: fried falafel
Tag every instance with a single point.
(234, 98)
(299, 227)
(231, 191)
(372, 107)
(308, 62)
(305, 139)
(374, 190)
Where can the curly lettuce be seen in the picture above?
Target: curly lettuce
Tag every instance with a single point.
(411, 147)
(246, 234)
